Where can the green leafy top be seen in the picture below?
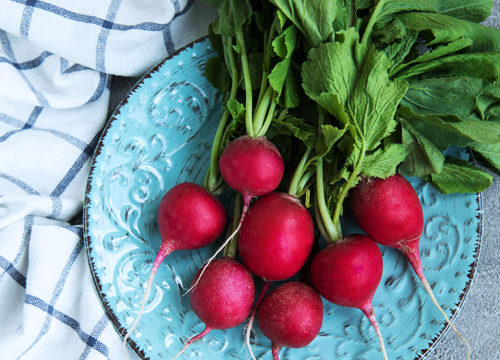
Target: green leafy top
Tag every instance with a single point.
(349, 89)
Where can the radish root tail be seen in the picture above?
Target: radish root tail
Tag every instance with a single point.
(275, 350)
(162, 254)
(247, 335)
(212, 258)
(415, 262)
(192, 340)
(252, 316)
(370, 314)
(433, 298)
(246, 205)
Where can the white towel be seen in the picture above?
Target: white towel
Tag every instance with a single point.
(56, 62)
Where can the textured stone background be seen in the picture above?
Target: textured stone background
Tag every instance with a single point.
(479, 317)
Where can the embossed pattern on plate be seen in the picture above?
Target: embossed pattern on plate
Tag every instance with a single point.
(160, 135)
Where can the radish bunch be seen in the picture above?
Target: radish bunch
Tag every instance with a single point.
(275, 236)
(310, 120)
(316, 113)
(272, 238)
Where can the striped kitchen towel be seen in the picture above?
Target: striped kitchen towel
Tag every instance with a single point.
(56, 62)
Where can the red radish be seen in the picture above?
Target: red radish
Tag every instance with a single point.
(389, 211)
(276, 236)
(189, 217)
(275, 241)
(291, 315)
(253, 166)
(223, 297)
(347, 273)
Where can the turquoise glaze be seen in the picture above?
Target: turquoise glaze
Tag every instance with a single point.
(161, 135)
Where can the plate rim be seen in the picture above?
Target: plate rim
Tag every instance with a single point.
(87, 238)
(470, 274)
(87, 203)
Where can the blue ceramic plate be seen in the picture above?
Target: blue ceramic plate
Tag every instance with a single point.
(161, 135)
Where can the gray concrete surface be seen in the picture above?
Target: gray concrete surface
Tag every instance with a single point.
(479, 317)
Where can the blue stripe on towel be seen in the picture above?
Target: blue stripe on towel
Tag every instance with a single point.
(9, 269)
(76, 167)
(71, 15)
(7, 47)
(67, 320)
(27, 125)
(107, 25)
(49, 308)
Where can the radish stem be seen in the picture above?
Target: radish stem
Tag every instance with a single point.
(246, 77)
(262, 109)
(232, 247)
(268, 49)
(270, 116)
(298, 175)
(332, 230)
(319, 223)
(212, 182)
(349, 184)
(372, 21)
